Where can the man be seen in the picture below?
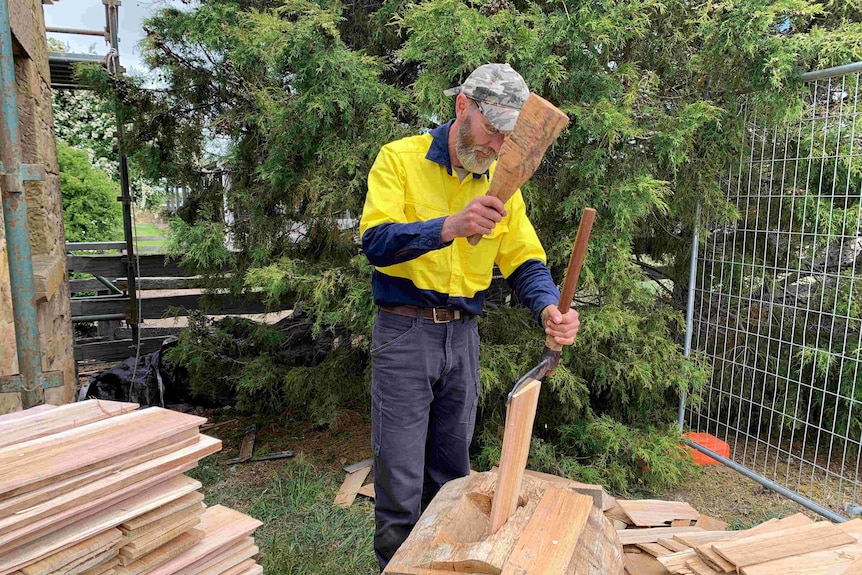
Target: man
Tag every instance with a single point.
(426, 195)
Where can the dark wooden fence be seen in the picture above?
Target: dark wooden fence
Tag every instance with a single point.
(111, 307)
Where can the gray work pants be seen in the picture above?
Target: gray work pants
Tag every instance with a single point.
(424, 391)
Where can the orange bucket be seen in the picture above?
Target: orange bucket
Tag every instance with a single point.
(710, 442)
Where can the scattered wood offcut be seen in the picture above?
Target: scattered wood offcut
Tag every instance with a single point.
(795, 545)
(97, 488)
(562, 527)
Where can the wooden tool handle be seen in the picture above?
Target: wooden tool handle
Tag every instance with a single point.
(576, 261)
(570, 284)
(539, 123)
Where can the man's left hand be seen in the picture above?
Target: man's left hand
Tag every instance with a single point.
(562, 327)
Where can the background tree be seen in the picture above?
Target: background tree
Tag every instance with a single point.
(305, 93)
(91, 211)
(86, 120)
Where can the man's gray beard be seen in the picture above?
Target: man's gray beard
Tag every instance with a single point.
(467, 151)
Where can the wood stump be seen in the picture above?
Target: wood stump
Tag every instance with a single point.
(554, 530)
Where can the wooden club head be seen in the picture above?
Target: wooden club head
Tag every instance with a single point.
(538, 125)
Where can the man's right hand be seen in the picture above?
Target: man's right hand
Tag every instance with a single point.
(479, 217)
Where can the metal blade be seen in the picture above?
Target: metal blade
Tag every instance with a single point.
(537, 372)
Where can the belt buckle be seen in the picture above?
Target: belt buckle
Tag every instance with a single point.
(456, 315)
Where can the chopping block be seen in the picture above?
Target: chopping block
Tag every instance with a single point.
(554, 531)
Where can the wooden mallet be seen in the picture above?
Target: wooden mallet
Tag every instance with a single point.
(538, 125)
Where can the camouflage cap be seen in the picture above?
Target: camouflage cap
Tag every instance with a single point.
(500, 89)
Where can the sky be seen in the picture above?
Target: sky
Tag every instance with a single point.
(90, 15)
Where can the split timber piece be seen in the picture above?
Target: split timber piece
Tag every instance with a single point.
(163, 554)
(227, 532)
(236, 554)
(71, 533)
(91, 497)
(677, 562)
(711, 523)
(168, 515)
(654, 549)
(76, 554)
(256, 570)
(698, 566)
(247, 567)
(247, 448)
(764, 547)
(709, 555)
(91, 562)
(652, 534)
(454, 532)
(603, 554)
(17, 503)
(26, 466)
(809, 563)
(643, 564)
(551, 534)
(520, 414)
(160, 533)
(137, 549)
(655, 513)
(33, 425)
(105, 568)
(350, 487)
(18, 415)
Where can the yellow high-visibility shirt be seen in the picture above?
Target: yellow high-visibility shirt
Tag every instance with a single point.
(411, 190)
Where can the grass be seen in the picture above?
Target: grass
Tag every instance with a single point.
(302, 532)
(143, 230)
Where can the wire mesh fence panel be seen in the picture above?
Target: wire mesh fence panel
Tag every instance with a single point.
(778, 302)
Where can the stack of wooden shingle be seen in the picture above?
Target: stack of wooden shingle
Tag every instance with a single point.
(97, 488)
(662, 538)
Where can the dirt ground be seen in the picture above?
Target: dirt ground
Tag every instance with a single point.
(730, 496)
(718, 491)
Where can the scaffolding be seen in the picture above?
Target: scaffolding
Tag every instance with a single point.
(63, 78)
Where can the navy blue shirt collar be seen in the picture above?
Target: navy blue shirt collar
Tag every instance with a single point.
(439, 150)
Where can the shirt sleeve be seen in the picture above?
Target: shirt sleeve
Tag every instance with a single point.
(521, 259)
(387, 237)
(535, 288)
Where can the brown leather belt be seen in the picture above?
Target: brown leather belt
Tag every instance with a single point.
(436, 314)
